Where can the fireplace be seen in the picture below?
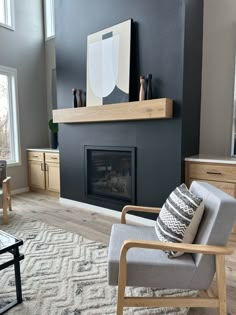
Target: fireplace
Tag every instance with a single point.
(110, 173)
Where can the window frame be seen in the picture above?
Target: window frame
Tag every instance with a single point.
(9, 15)
(52, 20)
(11, 74)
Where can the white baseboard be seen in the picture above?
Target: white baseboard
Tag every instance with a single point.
(108, 212)
(19, 191)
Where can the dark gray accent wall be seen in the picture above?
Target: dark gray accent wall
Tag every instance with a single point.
(165, 35)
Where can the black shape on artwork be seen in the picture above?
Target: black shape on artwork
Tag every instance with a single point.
(116, 96)
(107, 35)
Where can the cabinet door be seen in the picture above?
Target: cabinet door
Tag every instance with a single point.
(53, 177)
(36, 174)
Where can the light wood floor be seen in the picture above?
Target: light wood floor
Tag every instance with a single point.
(95, 226)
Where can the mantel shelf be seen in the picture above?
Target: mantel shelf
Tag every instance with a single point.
(151, 109)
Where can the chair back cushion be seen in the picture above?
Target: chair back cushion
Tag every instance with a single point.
(215, 227)
(3, 167)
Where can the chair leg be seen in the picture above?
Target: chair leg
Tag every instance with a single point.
(9, 195)
(221, 284)
(9, 203)
(120, 299)
(4, 208)
(122, 282)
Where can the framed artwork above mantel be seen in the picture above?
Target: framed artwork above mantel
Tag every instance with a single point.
(108, 65)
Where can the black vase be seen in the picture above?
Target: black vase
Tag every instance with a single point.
(54, 140)
(149, 87)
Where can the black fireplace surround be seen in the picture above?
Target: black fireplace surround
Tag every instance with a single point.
(110, 173)
(166, 42)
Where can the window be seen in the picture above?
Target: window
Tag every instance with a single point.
(49, 18)
(9, 139)
(7, 14)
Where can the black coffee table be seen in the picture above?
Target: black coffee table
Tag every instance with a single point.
(10, 244)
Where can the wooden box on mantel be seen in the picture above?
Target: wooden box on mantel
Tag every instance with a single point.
(151, 109)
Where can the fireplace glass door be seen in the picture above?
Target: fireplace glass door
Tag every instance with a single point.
(110, 173)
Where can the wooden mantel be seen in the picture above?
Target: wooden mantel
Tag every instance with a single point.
(151, 109)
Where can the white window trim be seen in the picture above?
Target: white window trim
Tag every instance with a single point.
(10, 13)
(14, 114)
(52, 17)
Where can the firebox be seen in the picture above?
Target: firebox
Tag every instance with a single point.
(110, 173)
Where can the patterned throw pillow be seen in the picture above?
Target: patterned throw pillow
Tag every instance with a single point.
(179, 218)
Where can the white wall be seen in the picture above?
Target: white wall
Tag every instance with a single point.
(219, 46)
(23, 49)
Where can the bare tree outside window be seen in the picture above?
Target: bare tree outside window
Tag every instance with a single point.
(9, 128)
(5, 138)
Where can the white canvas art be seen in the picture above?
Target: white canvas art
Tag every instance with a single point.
(108, 65)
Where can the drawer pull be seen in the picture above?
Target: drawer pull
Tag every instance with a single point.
(214, 173)
(54, 158)
(36, 156)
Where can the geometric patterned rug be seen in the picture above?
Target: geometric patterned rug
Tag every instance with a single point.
(65, 274)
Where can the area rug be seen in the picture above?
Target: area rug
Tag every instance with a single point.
(66, 274)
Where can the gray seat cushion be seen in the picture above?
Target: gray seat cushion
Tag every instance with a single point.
(144, 264)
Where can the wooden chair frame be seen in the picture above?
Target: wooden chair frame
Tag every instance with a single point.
(6, 198)
(218, 301)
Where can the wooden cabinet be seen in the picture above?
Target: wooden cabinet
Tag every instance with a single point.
(218, 172)
(52, 170)
(44, 172)
(36, 170)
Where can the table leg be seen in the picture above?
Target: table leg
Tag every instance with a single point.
(17, 275)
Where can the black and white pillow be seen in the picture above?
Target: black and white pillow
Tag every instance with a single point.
(179, 218)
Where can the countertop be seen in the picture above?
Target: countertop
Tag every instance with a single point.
(212, 159)
(44, 150)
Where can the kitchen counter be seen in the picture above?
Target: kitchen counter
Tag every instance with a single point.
(44, 150)
(211, 159)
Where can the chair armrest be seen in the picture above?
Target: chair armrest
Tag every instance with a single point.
(183, 247)
(6, 185)
(6, 180)
(128, 208)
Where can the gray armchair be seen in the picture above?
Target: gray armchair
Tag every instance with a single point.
(5, 191)
(136, 257)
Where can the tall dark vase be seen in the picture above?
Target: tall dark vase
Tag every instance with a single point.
(149, 87)
(75, 104)
(54, 140)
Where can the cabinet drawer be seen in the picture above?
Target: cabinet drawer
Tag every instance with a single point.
(214, 172)
(35, 156)
(52, 157)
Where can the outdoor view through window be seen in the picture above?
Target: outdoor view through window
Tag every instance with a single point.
(5, 137)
